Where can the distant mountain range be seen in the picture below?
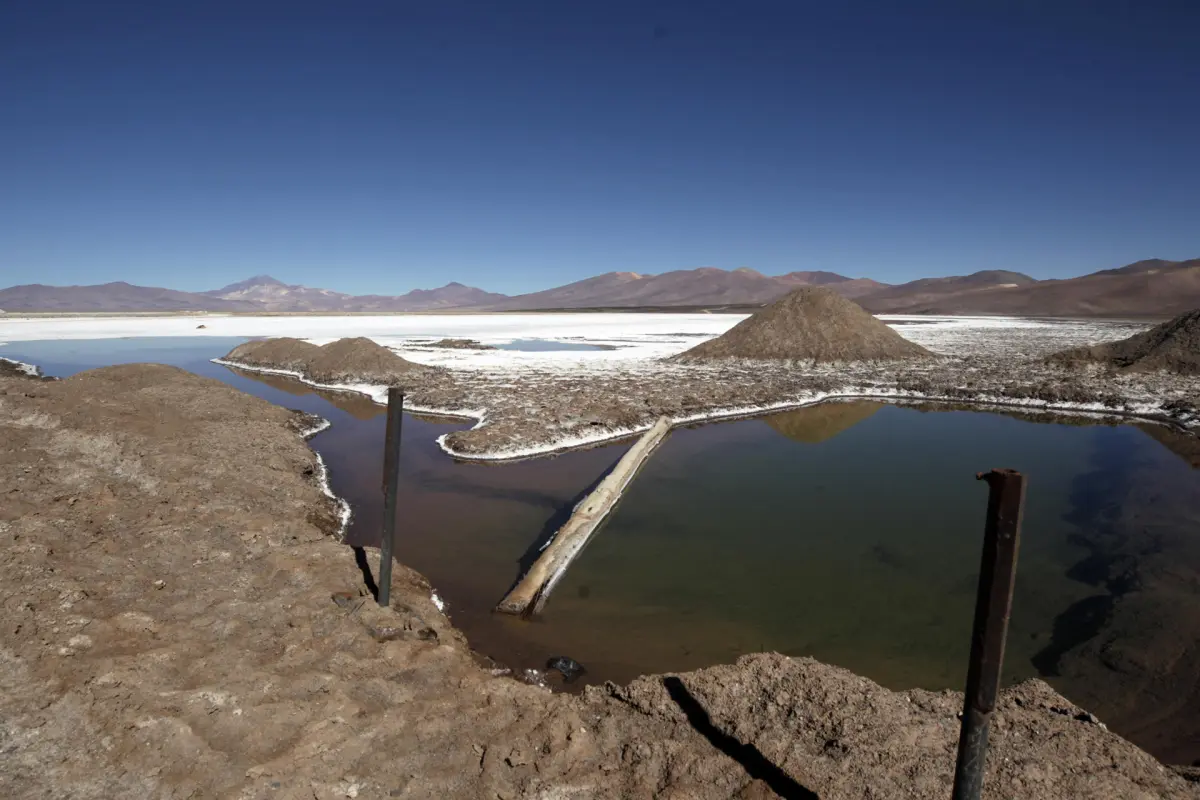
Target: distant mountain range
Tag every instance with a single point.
(1147, 288)
(272, 295)
(706, 286)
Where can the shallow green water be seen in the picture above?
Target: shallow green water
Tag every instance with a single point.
(850, 533)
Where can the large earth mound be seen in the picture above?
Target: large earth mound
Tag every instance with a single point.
(357, 360)
(1173, 346)
(810, 324)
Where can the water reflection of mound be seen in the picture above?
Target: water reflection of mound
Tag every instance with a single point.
(1182, 443)
(356, 405)
(818, 423)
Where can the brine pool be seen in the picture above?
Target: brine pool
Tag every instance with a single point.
(849, 532)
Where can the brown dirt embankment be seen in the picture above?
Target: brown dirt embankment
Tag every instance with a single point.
(177, 622)
(16, 369)
(357, 360)
(1173, 346)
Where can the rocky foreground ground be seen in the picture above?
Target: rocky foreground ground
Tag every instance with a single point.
(178, 622)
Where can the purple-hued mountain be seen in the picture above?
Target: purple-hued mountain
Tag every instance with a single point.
(706, 286)
(1154, 287)
(119, 296)
(274, 295)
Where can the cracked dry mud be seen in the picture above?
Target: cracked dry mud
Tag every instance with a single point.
(178, 622)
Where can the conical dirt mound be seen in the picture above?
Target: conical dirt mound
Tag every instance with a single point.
(1173, 346)
(809, 324)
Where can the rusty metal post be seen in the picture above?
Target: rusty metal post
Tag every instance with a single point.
(391, 488)
(993, 606)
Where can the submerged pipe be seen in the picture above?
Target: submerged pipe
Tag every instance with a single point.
(531, 591)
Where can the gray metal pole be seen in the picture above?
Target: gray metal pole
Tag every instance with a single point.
(391, 487)
(993, 606)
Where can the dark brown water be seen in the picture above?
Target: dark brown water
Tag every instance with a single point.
(848, 532)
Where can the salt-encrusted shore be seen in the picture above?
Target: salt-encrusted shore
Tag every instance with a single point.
(10, 367)
(542, 411)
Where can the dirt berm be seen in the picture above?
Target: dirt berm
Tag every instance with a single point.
(1173, 346)
(178, 622)
(357, 360)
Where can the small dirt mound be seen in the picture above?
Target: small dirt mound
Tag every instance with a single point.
(461, 344)
(359, 360)
(1173, 346)
(282, 353)
(809, 324)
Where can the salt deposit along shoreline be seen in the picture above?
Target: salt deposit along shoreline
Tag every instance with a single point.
(1034, 386)
(9, 366)
(810, 346)
(236, 655)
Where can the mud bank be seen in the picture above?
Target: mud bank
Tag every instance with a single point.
(541, 411)
(18, 369)
(179, 621)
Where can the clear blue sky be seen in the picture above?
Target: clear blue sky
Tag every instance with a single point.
(384, 145)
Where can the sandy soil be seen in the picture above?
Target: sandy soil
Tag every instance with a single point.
(178, 622)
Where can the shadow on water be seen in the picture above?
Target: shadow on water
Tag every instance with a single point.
(757, 765)
(357, 405)
(1095, 498)
(1130, 652)
(433, 480)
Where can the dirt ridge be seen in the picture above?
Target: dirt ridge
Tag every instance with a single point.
(349, 360)
(1173, 346)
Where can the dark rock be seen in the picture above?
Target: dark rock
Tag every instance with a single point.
(568, 667)
(461, 344)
